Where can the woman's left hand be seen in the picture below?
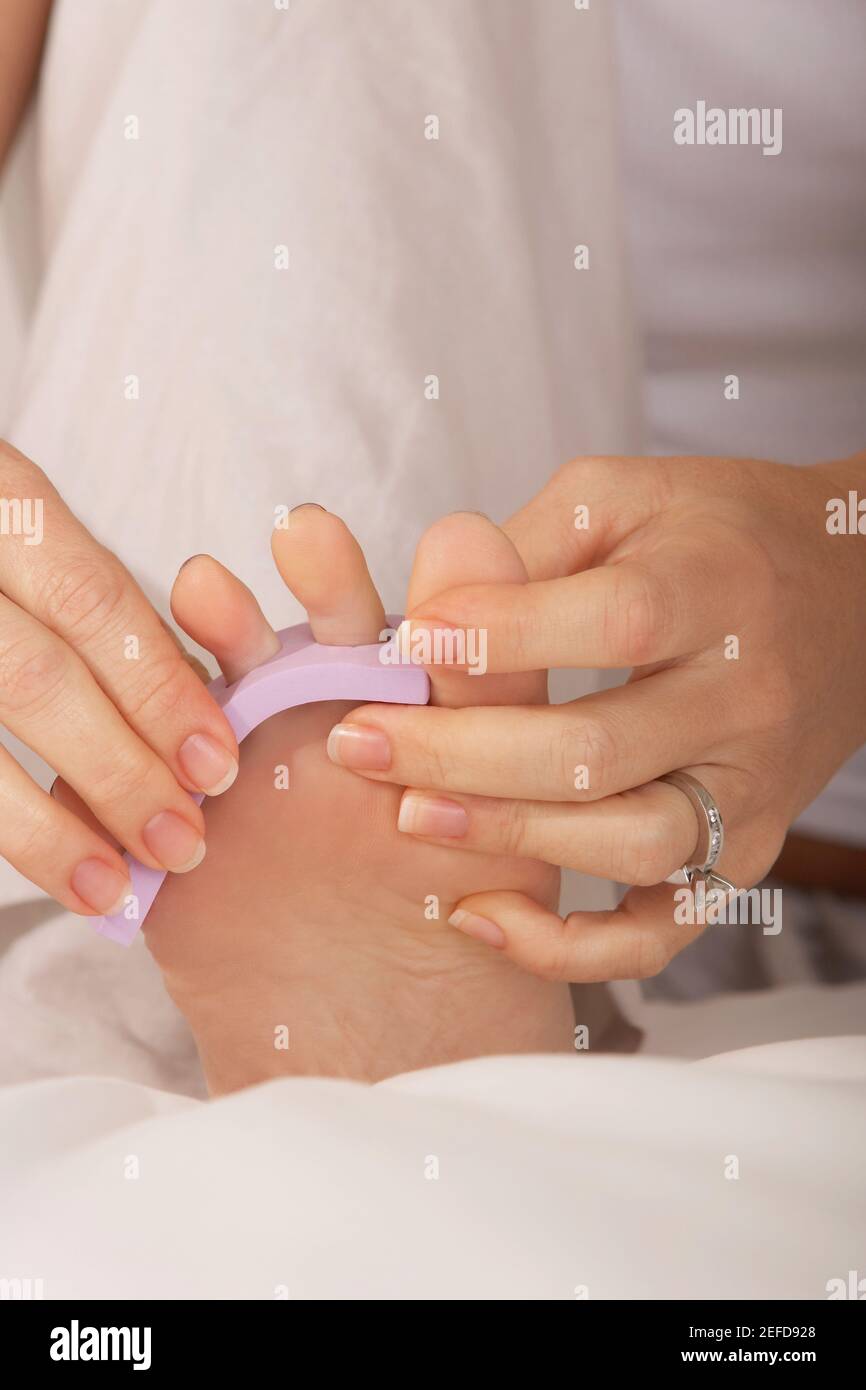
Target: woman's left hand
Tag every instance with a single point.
(728, 588)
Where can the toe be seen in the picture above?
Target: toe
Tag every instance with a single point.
(468, 548)
(219, 612)
(324, 566)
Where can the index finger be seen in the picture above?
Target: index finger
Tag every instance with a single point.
(55, 570)
(619, 615)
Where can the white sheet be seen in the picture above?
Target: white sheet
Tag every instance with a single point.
(558, 1178)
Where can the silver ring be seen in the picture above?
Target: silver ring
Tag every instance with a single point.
(711, 830)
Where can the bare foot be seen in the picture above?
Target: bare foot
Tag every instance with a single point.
(314, 938)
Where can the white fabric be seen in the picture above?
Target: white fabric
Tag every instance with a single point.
(68, 1007)
(409, 257)
(539, 1178)
(19, 260)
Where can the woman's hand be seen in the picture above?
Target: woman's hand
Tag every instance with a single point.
(719, 582)
(94, 682)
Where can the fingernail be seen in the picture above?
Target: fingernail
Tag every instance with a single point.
(102, 887)
(208, 764)
(301, 505)
(480, 927)
(360, 747)
(432, 815)
(174, 842)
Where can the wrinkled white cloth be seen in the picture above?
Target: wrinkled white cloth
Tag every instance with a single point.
(68, 1007)
(504, 1178)
(408, 258)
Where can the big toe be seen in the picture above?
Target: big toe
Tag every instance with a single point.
(468, 548)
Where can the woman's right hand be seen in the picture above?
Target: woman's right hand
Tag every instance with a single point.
(94, 682)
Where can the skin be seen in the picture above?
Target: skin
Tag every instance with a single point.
(309, 912)
(132, 735)
(680, 555)
(23, 24)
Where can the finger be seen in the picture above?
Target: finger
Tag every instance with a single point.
(82, 593)
(49, 700)
(634, 941)
(649, 926)
(627, 614)
(51, 847)
(196, 666)
(581, 751)
(63, 795)
(467, 548)
(324, 566)
(222, 615)
(639, 837)
(636, 837)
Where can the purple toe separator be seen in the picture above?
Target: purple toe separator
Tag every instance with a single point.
(300, 673)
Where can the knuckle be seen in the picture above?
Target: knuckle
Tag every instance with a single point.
(80, 598)
(159, 691)
(592, 745)
(124, 782)
(35, 840)
(649, 855)
(32, 672)
(651, 955)
(522, 636)
(555, 962)
(510, 827)
(638, 616)
(434, 763)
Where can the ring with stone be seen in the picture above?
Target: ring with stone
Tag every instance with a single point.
(711, 830)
